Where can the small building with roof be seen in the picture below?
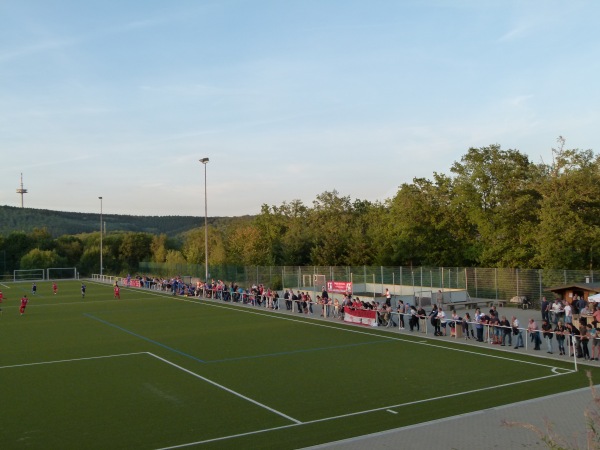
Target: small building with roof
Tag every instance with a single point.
(569, 291)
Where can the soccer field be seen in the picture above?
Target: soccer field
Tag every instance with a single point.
(153, 371)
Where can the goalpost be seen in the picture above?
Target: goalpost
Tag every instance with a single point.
(61, 273)
(28, 275)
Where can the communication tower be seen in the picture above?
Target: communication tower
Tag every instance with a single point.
(22, 190)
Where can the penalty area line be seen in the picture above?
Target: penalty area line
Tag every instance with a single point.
(71, 360)
(231, 391)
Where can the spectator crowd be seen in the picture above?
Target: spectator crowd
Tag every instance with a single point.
(564, 327)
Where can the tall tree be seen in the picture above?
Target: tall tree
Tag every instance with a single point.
(42, 259)
(158, 248)
(569, 227)
(135, 247)
(331, 222)
(497, 189)
(296, 241)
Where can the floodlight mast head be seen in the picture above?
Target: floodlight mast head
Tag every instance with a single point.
(204, 160)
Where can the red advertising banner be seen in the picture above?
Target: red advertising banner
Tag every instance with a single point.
(360, 316)
(134, 282)
(339, 286)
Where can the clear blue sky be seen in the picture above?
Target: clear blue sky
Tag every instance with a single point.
(288, 99)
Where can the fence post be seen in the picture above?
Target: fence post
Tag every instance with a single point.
(401, 282)
(496, 281)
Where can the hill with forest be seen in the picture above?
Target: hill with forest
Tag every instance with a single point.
(59, 223)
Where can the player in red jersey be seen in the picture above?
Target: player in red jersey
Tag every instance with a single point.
(54, 288)
(117, 292)
(24, 301)
(1, 297)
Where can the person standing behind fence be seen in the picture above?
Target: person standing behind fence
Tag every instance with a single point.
(400, 309)
(466, 324)
(557, 311)
(594, 340)
(439, 298)
(413, 322)
(534, 333)
(568, 313)
(517, 332)
(407, 311)
(560, 331)
(421, 319)
(506, 331)
(545, 309)
(584, 337)
(325, 296)
(547, 333)
(441, 322)
(479, 321)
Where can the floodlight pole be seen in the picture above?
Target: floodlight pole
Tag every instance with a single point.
(205, 161)
(101, 233)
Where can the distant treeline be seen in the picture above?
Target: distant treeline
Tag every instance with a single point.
(495, 208)
(59, 223)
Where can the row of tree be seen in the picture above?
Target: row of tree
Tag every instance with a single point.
(496, 208)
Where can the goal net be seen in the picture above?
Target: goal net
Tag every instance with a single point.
(30, 274)
(61, 273)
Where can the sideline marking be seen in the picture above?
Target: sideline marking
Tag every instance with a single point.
(71, 360)
(206, 302)
(280, 316)
(274, 315)
(231, 391)
(457, 416)
(357, 413)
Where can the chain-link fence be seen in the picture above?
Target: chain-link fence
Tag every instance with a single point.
(488, 283)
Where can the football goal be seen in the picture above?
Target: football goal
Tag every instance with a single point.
(61, 273)
(28, 275)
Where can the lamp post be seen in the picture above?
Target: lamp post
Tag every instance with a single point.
(205, 161)
(101, 233)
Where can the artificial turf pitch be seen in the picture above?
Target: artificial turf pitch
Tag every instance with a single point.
(153, 371)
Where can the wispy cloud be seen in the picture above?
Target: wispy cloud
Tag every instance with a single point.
(516, 33)
(57, 43)
(193, 90)
(519, 100)
(38, 47)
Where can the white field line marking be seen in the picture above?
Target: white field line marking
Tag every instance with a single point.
(5, 285)
(224, 438)
(394, 338)
(82, 302)
(391, 411)
(71, 360)
(441, 397)
(385, 408)
(231, 391)
(458, 416)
